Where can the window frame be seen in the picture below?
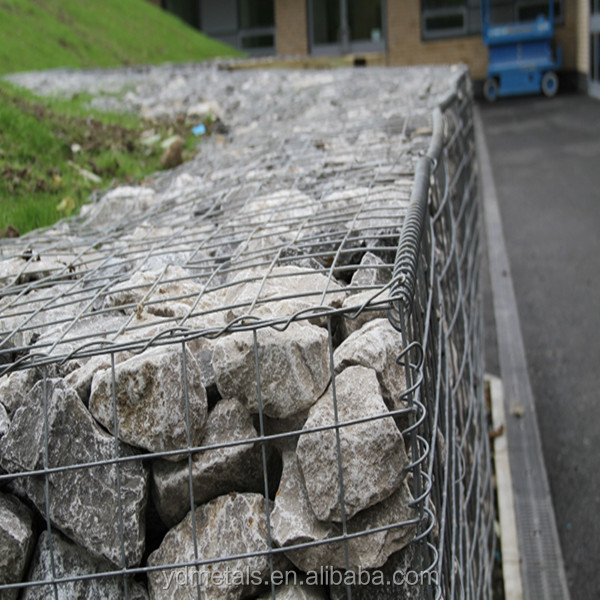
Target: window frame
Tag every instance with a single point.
(450, 32)
(560, 20)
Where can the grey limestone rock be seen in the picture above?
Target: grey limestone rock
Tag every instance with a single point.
(202, 349)
(4, 420)
(204, 110)
(16, 542)
(151, 402)
(376, 345)
(169, 290)
(214, 472)
(229, 525)
(81, 379)
(124, 202)
(294, 522)
(15, 386)
(281, 292)
(372, 272)
(281, 205)
(28, 269)
(294, 368)
(373, 456)
(362, 307)
(58, 557)
(83, 503)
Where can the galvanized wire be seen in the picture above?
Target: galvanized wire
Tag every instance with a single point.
(301, 193)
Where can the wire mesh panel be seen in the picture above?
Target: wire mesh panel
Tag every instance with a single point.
(437, 285)
(259, 375)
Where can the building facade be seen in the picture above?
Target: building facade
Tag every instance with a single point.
(405, 32)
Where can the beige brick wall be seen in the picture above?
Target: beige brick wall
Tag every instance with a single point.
(291, 26)
(405, 46)
(566, 35)
(582, 27)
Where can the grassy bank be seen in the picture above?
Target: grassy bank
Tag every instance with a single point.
(45, 34)
(54, 153)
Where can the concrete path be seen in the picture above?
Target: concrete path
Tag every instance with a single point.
(545, 157)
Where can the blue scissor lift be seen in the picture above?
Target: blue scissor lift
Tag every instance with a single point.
(521, 58)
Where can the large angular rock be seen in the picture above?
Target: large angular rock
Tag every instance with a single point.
(83, 503)
(214, 472)
(4, 420)
(204, 110)
(203, 350)
(154, 287)
(294, 368)
(376, 345)
(372, 272)
(27, 269)
(80, 379)
(59, 558)
(281, 205)
(120, 204)
(43, 309)
(372, 452)
(15, 386)
(229, 525)
(281, 292)
(151, 403)
(16, 542)
(362, 308)
(293, 521)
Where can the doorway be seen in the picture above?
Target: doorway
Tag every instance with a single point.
(346, 26)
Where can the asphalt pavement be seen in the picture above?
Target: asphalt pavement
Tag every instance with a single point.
(545, 158)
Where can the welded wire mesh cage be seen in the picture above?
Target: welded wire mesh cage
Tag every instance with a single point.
(260, 375)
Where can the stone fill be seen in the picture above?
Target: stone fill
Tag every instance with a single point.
(54, 429)
(16, 541)
(263, 261)
(293, 367)
(152, 407)
(372, 453)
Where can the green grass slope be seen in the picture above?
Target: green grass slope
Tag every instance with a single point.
(55, 152)
(45, 34)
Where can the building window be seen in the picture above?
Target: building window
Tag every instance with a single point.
(345, 26)
(255, 14)
(186, 10)
(326, 22)
(257, 26)
(529, 10)
(245, 24)
(440, 22)
(365, 20)
(447, 18)
(452, 18)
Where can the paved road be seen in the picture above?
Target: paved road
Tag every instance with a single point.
(545, 157)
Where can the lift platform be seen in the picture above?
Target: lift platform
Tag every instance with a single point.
(521, 56)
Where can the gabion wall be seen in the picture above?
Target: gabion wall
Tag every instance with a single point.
(259, 375)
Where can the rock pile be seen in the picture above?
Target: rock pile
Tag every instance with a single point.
(199, 379)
